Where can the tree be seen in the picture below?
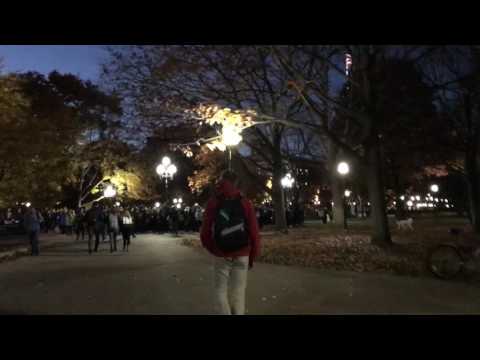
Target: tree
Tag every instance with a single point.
(59, 110)
(455, 73)
(13, 125)
(166, 81)
(364, 115)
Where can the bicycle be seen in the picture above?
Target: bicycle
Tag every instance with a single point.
(448, 260)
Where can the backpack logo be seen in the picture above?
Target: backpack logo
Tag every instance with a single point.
(224, 214)
(232, 229)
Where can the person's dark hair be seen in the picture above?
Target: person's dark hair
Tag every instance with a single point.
(230, 176)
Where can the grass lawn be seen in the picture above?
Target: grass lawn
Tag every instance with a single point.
(330, 247)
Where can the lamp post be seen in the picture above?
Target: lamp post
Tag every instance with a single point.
(177, 202)
(344, 169)
(230, 137)
(109, 192)
(434, 188)
(287, 183)
(166, 170)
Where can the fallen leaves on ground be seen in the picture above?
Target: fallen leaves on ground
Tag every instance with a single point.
(336, 250)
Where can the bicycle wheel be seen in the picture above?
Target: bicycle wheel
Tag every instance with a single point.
(445, 261)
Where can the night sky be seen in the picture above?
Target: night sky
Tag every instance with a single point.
(81, 60)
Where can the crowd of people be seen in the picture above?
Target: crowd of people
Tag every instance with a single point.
(103, 223)
(146, 219)
(167, 218)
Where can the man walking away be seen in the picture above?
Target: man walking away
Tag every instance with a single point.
(80, 224)
(100, 226)
(90, 222)
(94, 225)
(230, 232)
(32, 226)
(114, 229)
(126, 226)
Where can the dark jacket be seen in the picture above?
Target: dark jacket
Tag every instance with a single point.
(31, 221)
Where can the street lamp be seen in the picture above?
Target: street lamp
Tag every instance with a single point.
(434, 188)
(109, 192)
(287, 181)
(343, 169)
(157, 204)
(177, 202)
(28, 204)
(230, 137)
(166, 170)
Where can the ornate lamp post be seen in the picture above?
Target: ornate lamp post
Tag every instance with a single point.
(166, 170)
(344, 169)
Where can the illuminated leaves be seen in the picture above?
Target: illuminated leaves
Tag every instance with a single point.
(231, 123)
(213, 114)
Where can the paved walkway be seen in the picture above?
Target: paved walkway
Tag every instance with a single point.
(159, 276)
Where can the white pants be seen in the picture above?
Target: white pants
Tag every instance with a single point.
(230, 278)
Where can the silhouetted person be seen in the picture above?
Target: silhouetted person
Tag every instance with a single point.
(113, 228)
(126, 226)
(31, 223)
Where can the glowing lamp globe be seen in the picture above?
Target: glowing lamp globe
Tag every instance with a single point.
(161, 169)
(230, 136)
(109, 192)
(287, 181)
(434, 188)
(171, 169)
(166, 161)
(343, 168)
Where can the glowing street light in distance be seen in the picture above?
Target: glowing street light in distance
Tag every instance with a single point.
(343, 168)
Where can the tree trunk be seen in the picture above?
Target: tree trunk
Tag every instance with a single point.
(278, 199)
(337, 198)
(376, 192)
(336, 185)
(278, 196)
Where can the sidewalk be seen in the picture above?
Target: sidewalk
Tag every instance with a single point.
(15, 246)
(160, 276)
